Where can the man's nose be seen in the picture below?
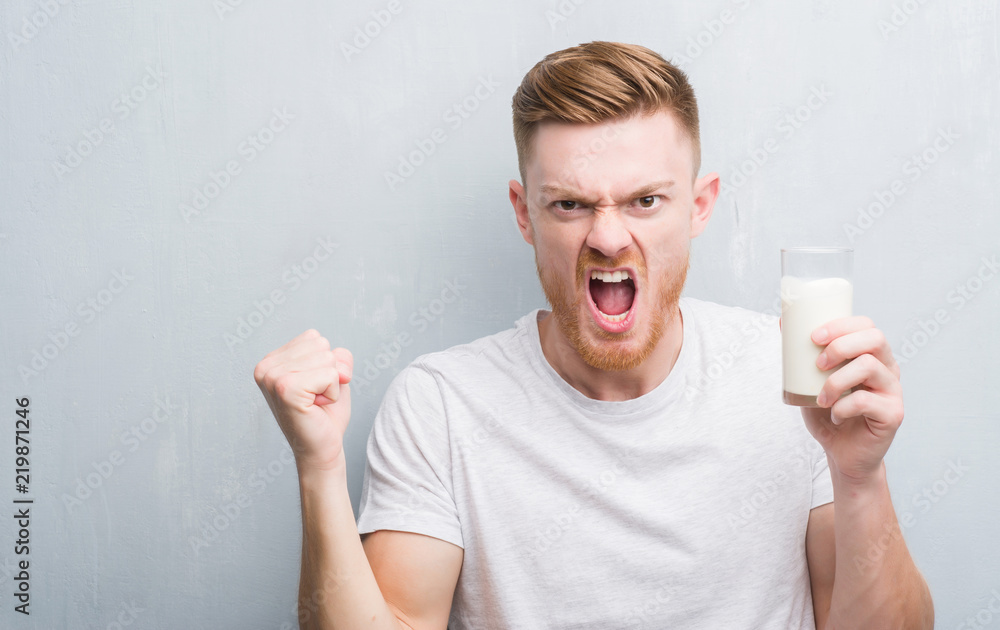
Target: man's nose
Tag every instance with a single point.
(608, 234)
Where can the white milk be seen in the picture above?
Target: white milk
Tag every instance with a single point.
(807, 304)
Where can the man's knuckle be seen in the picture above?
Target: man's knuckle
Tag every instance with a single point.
(897, 415)
(834, 349)
(282, 386)
(863, 403)
(267, 382)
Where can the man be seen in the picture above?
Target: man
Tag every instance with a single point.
(587, 468)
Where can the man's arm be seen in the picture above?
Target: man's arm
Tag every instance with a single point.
(305, 383)
(861, 572)
(406, 581)
(417, 573)
(337, 588)
(821, 553)
(875, 582)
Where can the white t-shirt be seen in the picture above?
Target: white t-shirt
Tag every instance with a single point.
(683, 508)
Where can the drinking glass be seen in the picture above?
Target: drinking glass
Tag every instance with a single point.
(816, 287)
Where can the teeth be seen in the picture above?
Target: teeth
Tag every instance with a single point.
(609, 276)
(614, 318)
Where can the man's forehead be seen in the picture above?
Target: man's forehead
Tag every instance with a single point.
(629, 152)
(632, 187)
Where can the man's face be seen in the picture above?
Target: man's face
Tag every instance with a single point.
(610, 198)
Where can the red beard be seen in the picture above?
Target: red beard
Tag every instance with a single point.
(629, 351)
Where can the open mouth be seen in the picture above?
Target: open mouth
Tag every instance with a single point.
(611, 296)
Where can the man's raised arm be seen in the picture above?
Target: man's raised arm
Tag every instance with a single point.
(875, 581)
(305, 384)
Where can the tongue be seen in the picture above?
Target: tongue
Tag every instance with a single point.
(612, 298)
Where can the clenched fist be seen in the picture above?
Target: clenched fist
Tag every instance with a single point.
(305, 383)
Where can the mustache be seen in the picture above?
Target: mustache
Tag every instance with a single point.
(593, 259)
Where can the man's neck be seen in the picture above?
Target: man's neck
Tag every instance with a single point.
(611, 386)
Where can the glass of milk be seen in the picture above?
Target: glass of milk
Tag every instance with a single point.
(815, 288)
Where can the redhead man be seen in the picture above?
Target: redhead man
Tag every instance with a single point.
(596, 465)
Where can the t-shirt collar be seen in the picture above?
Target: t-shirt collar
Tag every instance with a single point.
(664, 393)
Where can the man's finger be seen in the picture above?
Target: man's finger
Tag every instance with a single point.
(864, 370)
(305, 343)
(344, 356)
(884, 414)
(301, 388)
(846, 347)
(841, 326)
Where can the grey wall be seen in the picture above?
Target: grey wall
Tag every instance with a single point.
(150, 443)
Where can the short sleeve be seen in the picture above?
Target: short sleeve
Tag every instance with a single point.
(822, 491)
(407, 482)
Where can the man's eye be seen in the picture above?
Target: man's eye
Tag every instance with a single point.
(647, 202)
(566, 205)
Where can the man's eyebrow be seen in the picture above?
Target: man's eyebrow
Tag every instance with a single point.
(556, 191)
(552, 190)
(651, 188)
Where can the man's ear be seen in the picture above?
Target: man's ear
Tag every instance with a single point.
(706, 191)
(520, 203)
